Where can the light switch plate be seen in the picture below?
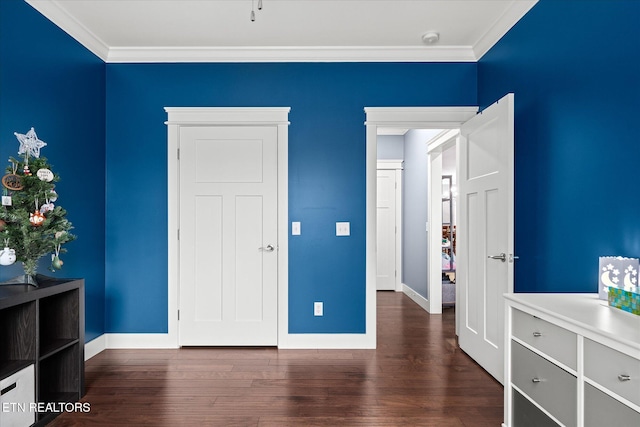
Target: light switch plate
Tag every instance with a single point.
(318, 308)
(295, 228)
(343, 229)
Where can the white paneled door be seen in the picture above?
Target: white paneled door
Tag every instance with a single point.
(228, 236)
(386, 238)
(485, 233)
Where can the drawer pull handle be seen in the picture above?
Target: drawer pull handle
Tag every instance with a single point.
(623, 377)
(8, 389)
(535, 380)
(537, 334)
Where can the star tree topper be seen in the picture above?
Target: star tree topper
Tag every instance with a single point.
(29, 143)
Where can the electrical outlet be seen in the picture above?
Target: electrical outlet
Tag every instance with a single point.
(343, 229)
(317, 309)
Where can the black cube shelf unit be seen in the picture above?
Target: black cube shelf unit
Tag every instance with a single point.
(44, 326)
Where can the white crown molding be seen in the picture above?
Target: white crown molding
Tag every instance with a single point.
(52, 10)
(291, 54)
(56, 14)
(511, 16)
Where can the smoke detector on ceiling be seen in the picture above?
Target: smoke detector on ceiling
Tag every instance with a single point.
(430, 37)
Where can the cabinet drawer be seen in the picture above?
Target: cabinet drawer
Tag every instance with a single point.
(17, 394)
(550, 339)
(601, 409)
(526, 414)
(607, 367)
(551, 387)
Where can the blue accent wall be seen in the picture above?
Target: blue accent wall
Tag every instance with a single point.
(575, 70)
(326, 173)
(52, 83)
(577, 98)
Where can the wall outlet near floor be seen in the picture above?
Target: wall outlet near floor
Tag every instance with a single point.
(318, 309)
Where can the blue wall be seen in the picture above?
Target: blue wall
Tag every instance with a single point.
(49, 81)
(577, 98)
(326, 173)
(574, 67)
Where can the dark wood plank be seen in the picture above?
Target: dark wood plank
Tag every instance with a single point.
(418, 376)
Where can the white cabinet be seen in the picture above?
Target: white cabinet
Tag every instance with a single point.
(571, 361)
(17, 397)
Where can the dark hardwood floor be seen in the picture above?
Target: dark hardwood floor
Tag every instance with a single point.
(416, 377)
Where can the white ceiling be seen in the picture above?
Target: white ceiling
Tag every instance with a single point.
(284, 30)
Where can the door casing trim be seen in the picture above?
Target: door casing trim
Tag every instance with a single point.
(404, 118)
(220, 116)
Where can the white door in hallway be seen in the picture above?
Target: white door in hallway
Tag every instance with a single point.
(386, 230)
(485, 233)
(228, 236)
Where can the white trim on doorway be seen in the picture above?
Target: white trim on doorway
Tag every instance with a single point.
(406, 118)
(217, 116)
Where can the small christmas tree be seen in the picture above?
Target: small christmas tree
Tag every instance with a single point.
(31, 226)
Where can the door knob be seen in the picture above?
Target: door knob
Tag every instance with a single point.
(502, 257)
(268, 248)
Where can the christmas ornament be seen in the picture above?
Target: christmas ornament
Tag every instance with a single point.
(7, 256)
(56, 262)
(6, 201)
(46, 207)
(12, 181)
(53, 196)
(26, 171)
(36, 218)
(30, 145)
(45, 175)
(2, 225)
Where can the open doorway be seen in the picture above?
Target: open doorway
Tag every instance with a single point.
(407, 118)
(389, 208)
(412, 163)
(485, 217)
(449, 226)
(403, 170)
(442, 199)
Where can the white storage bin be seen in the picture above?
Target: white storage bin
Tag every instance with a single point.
(16, 399)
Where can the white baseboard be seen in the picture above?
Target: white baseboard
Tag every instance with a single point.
(416, 297)
(123, 341)
(140, 341)
(328, 341)
(292, 341)
(94, 347)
